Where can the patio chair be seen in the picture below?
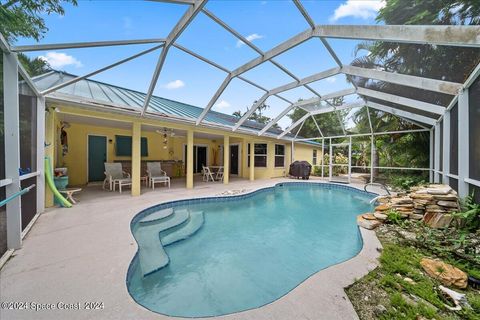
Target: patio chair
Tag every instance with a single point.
(116, 176)
(156, 174)
(219, 174)
(207, 174)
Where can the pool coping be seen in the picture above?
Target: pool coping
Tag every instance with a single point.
(367, 256)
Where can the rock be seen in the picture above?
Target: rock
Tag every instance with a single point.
(439, 191)
(368, 216)
(447, 197)
(423, 202)
(437, 220)
(403, 205)
(436, 210)
(445, 273)
(403, 200)
(379, 310)
(459, 299)
(382, 207)
(416, 216)
(409, 280)
(408, 235)
(420, 196)
(448, 204)
(383, 199)
(367, 224)
(380, 216)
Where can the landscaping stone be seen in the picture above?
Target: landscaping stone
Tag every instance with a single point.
(449, 204)
(380, 216)
(416, 216)
(403, 200)
(382, 207)
(437, 220)
(447, 197)
(408, 235)
(435, 202)
(367, 224)
(445, 273)
(369, 216)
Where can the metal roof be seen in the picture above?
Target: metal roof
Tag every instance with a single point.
(101, 93)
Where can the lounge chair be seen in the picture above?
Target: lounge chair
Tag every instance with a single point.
(156, 174)
(116, 176)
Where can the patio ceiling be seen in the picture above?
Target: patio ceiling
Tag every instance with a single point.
(428, 113)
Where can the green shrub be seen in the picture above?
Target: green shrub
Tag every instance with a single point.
(469, 214)
(395, 217)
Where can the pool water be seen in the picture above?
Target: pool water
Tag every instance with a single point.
(253, 250)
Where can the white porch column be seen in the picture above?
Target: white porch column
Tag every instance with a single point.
(40, 154)
(446, 147)
(372, 141)
(463, 143)
(226, 159)
(431, 157)
(436, 156)
(190, 159)
(12, 149)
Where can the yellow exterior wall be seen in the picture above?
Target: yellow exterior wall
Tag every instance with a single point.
(76, 158)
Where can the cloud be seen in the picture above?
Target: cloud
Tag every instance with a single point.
(331, 79)
(363, 9)
(250, 37)
(222, 104)
(59, 59)
(176, 84)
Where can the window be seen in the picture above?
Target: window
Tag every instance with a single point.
(314, 160)
(279, 155)
(123, 146)
(260, 156)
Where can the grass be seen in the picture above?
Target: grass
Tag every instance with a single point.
(403, 298)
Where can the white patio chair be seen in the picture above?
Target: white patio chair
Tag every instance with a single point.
(116, 176)
(156, 175)
(207, 174)
(219, 174)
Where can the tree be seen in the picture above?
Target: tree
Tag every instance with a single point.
(22, 18)
(437, 62)
(330, 123)
(34, 67)
(257, 115)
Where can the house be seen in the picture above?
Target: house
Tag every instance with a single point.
(91, 122)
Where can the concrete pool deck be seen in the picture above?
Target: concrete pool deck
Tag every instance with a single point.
(81, 255)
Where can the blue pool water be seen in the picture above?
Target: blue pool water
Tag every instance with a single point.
(251, 250)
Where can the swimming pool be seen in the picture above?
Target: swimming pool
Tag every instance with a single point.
(231, 254)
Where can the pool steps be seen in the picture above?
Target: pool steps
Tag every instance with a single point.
(195, 223)
(156, 216)
(161, 229)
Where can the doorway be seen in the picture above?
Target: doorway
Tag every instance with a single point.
(199, 157)
(97, 156)
(234, 157)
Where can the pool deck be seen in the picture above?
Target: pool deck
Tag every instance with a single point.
(82, 254)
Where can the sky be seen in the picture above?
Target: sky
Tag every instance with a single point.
(187, 79)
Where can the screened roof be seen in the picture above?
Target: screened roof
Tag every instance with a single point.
(408, 95)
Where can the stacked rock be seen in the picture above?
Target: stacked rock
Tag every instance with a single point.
(436, 203)
(433, 204)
